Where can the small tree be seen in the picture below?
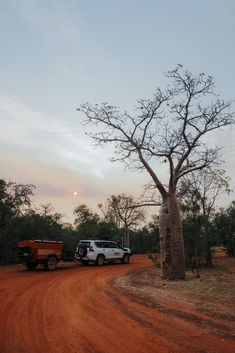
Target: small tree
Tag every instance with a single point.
(224, 227)
(86, 221)
(125, 212)
(201, 189)
(170, 127)
(14, 198)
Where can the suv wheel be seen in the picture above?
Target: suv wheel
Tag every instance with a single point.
(125, 259)
(51, 263)
(100, 260)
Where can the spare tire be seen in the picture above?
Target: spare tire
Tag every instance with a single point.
(82, 251)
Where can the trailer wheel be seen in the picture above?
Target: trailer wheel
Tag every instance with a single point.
(31, 265)
(51, 263)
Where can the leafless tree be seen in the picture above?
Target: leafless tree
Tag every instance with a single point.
(124, 211)
(171, 127)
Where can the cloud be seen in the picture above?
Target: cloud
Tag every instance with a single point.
(43, 137)
(51, 18)
(49, 190)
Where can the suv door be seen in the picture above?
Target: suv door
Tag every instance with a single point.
(115, 250)
(103, 248)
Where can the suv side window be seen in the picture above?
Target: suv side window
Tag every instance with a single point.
(113, 245)
(99, 244)
(102, 244)
(106, 245)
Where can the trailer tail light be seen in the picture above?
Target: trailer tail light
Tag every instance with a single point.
(91, 248)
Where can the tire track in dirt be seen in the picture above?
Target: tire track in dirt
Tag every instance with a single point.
(221, 325)
(77, 309)
(189, 331)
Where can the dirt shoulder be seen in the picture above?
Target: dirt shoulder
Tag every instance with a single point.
(207, 302)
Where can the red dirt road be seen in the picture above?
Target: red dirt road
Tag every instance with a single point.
(75, 309)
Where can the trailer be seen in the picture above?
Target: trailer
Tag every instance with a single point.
(45, 252)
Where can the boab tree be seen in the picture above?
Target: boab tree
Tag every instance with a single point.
(170, 127)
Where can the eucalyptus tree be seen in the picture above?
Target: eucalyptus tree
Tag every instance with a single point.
(224, 227)
(83, 215)
(172, 127)
(201, 189)
(14, 198)
(86, 222)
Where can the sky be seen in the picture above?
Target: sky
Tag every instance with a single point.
(58, 54)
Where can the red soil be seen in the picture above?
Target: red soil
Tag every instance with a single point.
(76, 309)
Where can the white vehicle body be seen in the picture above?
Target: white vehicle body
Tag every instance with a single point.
(100, 251)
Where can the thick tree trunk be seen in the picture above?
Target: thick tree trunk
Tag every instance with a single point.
(171, 239)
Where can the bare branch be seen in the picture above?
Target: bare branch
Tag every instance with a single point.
(172, 125)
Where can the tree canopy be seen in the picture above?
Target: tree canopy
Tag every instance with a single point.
(169, 127)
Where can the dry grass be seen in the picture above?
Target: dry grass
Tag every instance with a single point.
(213, 292)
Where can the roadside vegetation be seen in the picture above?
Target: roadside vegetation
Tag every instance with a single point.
(20, 220)
(213, 293)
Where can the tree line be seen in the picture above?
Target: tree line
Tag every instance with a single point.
(120, 215)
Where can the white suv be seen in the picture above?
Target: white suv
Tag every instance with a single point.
(101, 251)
